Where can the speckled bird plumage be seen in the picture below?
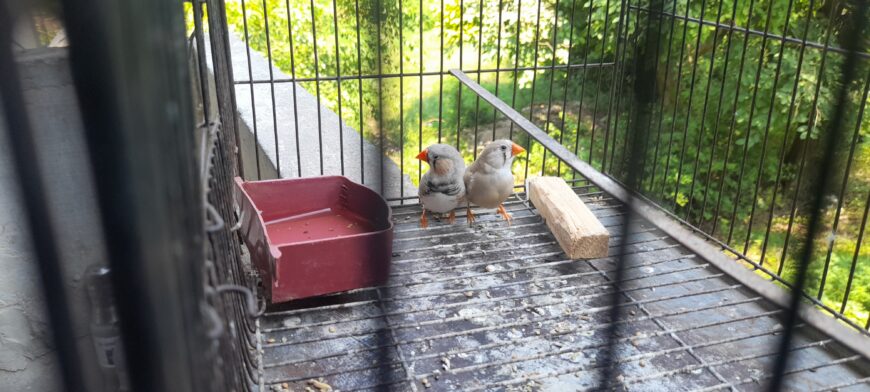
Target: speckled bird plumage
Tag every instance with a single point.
(442, 188)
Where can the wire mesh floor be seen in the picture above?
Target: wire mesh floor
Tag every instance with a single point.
(498, 307)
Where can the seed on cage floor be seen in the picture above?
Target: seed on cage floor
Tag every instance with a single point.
(321, 385)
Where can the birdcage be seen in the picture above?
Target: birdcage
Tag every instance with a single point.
(722, 144)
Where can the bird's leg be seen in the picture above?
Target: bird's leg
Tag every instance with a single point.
(504, 213)
(452, 217)
(469, 216)
(423, 222)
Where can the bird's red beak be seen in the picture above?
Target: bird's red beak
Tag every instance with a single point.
(517, 150)
(423, 155)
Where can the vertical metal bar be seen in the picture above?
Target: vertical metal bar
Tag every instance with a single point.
(295, 104)
(271, 87)
(689, 105)
(857, 250)
(833, 237)
(534, 79)
(614, 77)
(584, 70)
(598, 86)
(224, 83)
(316, 84)
(251, 85)
(378, 11)
(338, 85)
(812, 121)
(459, 85)
(752, 106)
(644, 95)
(201, 63)
(497, 64)
(552, 75)
(661, 110)
(718, 110)
(679, 85)
(35, 200)
(362, 160)
(479, 59)
(632, 105)
(401, 106)
(516, 66)
(766, 133)
(420, 99)
(567, 82)
(789, 117)
(146, 180)
(441, 77)
(854, 43)
(733, 119)
(619, 81)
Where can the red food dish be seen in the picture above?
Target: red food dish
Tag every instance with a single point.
(314, 236)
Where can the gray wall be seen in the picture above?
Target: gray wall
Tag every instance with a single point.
(27, 360)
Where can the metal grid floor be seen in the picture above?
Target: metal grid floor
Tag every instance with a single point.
(498, 307)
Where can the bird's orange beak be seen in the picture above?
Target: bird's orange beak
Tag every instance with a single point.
(516, 149)
(423, 155)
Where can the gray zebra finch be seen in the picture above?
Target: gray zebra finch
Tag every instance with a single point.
(441, 188)
(489, 180)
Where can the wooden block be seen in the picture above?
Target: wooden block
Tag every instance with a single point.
(578, 231)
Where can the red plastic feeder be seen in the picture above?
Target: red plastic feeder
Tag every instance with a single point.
(314, 236)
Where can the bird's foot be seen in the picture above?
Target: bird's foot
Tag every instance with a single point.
(469, 216)
(452, 217)
(424, 223)
(504, 214)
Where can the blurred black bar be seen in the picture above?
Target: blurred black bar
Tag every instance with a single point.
(854, 39)
(644, 89)
(34, 197)
(131, 76)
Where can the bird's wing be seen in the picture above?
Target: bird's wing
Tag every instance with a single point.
(449, 186)
(467, 177)
(423, 190)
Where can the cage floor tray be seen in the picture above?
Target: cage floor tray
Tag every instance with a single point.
(314, 236)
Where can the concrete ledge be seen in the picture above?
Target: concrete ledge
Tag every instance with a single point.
(283, 125)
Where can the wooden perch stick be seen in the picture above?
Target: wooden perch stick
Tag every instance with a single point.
(578, 231)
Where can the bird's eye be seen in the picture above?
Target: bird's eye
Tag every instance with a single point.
(504, 147)
(434, 156)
